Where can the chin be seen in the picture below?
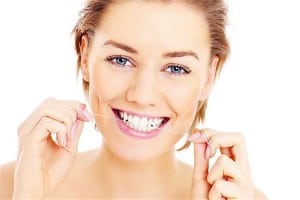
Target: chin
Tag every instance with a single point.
(131, 153)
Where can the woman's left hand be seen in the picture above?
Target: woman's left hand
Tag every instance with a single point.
(229, 177)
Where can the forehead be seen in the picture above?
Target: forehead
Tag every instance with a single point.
(155, 23)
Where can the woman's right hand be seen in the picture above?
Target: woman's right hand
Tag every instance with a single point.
(42, 162)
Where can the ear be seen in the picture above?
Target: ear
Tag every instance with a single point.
(84, 45)
(211, 75)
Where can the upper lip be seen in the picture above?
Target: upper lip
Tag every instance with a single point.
(140, 115)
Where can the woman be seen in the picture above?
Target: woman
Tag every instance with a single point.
(147, 69)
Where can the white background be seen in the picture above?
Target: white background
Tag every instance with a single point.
(257, 93)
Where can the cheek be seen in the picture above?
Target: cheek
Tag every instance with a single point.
(186, 98)
(103, 83)
(184, 102)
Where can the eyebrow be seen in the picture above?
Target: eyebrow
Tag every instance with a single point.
(181, 54)
(129, 49)
(121, 46)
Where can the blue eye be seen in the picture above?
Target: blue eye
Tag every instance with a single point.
(119, 60)
(177, 70)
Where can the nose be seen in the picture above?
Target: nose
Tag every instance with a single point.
(144, 90)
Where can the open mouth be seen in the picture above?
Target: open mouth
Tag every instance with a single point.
(140, 123)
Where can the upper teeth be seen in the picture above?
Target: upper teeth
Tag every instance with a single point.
(140, 123)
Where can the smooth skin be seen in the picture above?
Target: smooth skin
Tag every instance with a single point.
(146, 83)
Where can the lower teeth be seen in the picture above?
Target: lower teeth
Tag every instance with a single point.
(143, 129)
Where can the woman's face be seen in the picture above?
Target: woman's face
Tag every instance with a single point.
(147, 68)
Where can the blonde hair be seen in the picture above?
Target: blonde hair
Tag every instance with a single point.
(215, 12)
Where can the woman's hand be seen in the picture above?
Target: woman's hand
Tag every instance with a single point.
(42, 162)
(229, 177)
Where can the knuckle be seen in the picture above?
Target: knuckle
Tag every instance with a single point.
(44, 105)
(209, 178)
(218, 185)
(212, 193)
(223, 159)
(48, 101)
(240, 136)
(76, 105)
(44, 122)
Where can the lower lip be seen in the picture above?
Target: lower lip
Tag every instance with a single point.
(136, 134)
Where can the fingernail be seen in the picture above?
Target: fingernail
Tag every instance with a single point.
(199, 137)
(194, 136)
(84, 115)
(87, 115)
(208, 152)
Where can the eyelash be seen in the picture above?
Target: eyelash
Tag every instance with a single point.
(184, 70)
(112, 58)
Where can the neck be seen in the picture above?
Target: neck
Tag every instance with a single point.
(129, 178)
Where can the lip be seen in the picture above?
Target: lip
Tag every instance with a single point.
(134, 133)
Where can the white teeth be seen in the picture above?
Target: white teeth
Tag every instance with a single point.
(150, 125)
(143, 124)
(125, 118)
(136, 122)
(156, 122)
(140, 124)
(129, 119)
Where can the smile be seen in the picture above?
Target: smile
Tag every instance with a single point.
(139, 125)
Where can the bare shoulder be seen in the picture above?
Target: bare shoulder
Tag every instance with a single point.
(7, 171)
(73, 186)
(7, 180)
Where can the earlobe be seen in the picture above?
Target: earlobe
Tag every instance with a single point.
(84, 58)
(211, 75)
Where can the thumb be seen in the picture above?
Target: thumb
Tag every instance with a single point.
(82, 116)
(200, 186)
(76, 131)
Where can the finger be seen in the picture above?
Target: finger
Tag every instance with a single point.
(60, 117)
(230, 190)
(54, 109)
(200, 186)
(232, 144)
(75, 136)
(198, 137)
(76, 105)
(224, 167)
(84, 115)
(36, 141)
